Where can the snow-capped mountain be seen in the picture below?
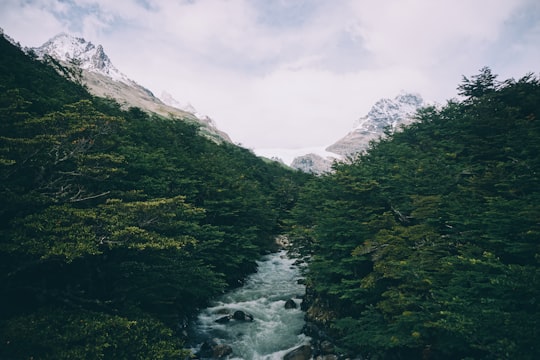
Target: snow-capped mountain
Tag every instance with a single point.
(385, 114)
(103, 79)
(84, 54)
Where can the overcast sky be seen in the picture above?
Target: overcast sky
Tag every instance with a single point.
(292, 73)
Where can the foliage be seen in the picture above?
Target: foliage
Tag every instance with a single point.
(427, 245)
(117, 225)
(64, 334)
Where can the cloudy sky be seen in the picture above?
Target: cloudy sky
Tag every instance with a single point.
(292, 73)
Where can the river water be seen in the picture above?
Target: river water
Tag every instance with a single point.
(274, 330)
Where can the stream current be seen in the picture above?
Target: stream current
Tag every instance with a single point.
(274, 330)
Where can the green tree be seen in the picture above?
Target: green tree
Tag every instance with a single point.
(115, 225)
(426, 246)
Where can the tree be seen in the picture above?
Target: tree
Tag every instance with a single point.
(478, 85)
(427, 244)
(116, 226)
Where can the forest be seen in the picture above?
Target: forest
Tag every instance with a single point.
(427, 245)
(117, 225)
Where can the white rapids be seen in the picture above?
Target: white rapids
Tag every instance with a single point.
(274, 330)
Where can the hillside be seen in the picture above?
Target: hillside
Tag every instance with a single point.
(83, 62)
(427, 245)
(117, 224)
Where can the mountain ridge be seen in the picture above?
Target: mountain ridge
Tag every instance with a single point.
(103, 79)
(385, 114)
(84, 54)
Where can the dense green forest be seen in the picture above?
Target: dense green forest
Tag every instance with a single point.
(116, 225)
(427, 246)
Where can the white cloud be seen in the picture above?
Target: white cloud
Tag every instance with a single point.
(31, 24)
(292, 73)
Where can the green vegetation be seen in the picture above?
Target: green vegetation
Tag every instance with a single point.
(427, 246)
(116, 225)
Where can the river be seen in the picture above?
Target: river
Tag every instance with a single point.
(274, 330)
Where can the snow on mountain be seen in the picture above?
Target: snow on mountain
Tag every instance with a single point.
(385, 114)
(84, 54)
(103, 79)
(390, 113)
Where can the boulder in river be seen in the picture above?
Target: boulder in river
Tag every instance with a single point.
(282, 241)
(222, 350)
(300, 353)
(211, 349)
(242, 316)
(224, 319)
(275, 332)
(290, 304)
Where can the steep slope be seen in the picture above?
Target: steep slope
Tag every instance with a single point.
(95, 70)
(385, 114)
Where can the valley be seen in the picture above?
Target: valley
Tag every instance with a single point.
(132, 229)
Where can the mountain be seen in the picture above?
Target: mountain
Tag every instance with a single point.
(385, 115)
(312, 163)
(90, 65)
(84, 54)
